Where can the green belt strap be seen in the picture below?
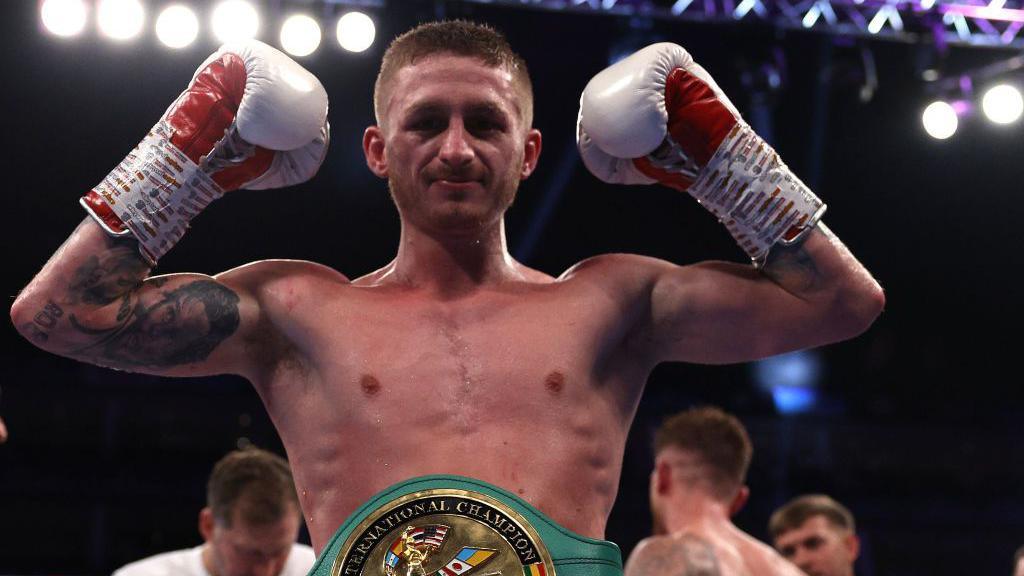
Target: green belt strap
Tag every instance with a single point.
(571, 554)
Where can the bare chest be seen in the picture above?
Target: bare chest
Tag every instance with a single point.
(400, 387)
(489, 352)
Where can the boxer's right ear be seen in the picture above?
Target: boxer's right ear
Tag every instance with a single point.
(373, 149)
(206, 522)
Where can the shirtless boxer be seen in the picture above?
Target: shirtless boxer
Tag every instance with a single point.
(701, 461)
(453, 358)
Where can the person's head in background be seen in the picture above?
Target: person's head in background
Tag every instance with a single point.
(252, 515)
(1018, 562)
(817, 534)
(701, 460)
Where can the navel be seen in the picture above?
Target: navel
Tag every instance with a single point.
(370, 385)
(555, 382)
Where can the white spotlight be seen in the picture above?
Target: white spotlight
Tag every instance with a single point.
(235, 20)
(120, 19)
(63, 17)
(300, 35)
(177, 26)
(355, 31)
(1002, 104)
(939, 120)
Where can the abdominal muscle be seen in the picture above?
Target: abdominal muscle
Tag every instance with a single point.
(562, 458)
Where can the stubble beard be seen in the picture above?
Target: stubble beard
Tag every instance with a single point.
(453, 218)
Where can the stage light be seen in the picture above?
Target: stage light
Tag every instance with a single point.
(120, 19)
(1002, 104)
(939, 120)
(355, 31)
(235, 20)
(791, 379)
(300, 35)
(63, 17)
(177, 26)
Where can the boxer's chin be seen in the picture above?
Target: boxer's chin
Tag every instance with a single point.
(463, 219)
(454, 215)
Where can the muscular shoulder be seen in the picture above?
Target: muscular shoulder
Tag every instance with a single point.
(618, 271)
(618, 263)
(675, 555)
(626, 277)
(271, 280)
(262, 272)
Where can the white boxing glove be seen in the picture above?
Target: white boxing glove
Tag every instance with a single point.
(657, 116)
(250, 118)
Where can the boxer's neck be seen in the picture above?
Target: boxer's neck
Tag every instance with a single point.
(691, 509)
(455, 263)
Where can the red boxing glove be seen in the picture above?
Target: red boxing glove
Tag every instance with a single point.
(657, 116)
(250, 118)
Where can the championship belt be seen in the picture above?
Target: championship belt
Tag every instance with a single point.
(458, 526)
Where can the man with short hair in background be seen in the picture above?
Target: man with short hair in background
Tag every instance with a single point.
(701, 461)
(249, 524)
(817, 534)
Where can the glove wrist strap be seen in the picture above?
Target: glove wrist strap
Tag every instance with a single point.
(155, 191)
(749, 189)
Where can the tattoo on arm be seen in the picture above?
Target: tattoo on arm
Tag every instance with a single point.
(104, 277)
(686, 555)
(792, 266)
(44, 321)
(178, 327)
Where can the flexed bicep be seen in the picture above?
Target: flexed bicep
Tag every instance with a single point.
(165, 325)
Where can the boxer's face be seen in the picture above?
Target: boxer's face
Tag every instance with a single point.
(819, 548)
(452, 143)
(247, 550)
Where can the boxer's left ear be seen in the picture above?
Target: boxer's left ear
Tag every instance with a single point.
(531, 153)
(852, 544)
(739, 501)
(662, 478)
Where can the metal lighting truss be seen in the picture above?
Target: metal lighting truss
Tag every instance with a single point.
(995, 23)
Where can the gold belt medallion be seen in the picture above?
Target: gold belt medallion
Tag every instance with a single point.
(444, 532)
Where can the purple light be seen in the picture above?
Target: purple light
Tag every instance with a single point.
(966, 86)
(984, 12)
(963, 108)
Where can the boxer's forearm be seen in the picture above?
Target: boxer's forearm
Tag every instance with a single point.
(88, 272)
(821, 270)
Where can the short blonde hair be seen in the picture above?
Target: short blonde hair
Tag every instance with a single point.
(461, 38)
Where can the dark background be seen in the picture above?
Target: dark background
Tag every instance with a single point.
(919, 429)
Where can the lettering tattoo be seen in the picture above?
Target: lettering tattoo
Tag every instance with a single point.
(793, 266)
(686, 555)
(44, 321)
(170, 328)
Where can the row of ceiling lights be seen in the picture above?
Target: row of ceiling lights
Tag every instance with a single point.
(1001, 104)
(177, 25)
